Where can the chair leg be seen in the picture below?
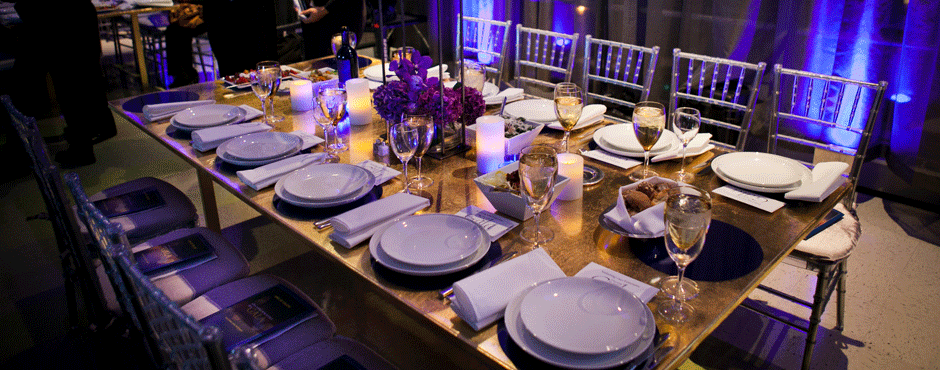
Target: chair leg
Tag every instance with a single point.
(840, 309)
(822, 284)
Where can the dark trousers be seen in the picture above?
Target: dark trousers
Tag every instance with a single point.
(179, 50)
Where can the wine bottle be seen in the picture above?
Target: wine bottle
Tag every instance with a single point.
(347, 62)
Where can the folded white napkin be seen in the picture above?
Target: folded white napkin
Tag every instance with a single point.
(209, 138)
(357, 225)
(307, 140)
(381, 172)
(511, 94)
(827, 177)
(481, 299)
(699, 144)
(250, 112)
(590, 115)
(157, 112)
(647, 222)
(264, 176)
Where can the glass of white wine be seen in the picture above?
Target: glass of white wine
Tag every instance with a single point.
(568, 104)
(425, 126)
(649, 119)
(687, 215)
(685, 123)
(265, 80)
(404, 140)
(538, 167)
(333, 105)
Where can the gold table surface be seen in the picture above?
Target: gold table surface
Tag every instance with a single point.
(416, 328)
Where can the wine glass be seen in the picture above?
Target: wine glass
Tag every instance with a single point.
(263, 81)
(649, 118)
(685, 123)
(474, 75)
(404, 141)
(687, 215)
(425, 126)
(568, 104)
(333, 105)
(538, 167)
(275, 85)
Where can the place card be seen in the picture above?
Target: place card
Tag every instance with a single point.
(752, 199)
(616, 160)
(381, 172)
(495, 225)
(643, 291)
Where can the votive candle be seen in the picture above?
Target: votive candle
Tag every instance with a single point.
(358, 101)
(490, 142)
(571, 165)
(301, 95)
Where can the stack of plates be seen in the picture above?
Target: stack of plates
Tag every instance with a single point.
(325, 185)
(204, 116)
(535, 110)
(621, 140)
(430, 244)
(762, 172)
(580, 323)
(259, 148)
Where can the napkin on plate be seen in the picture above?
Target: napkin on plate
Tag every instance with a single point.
(511, 94)
(156, 112)
(307, 140)
(699, 144)
(590, 115)
(250, 112)
(357, 225)
(481, 299)
(264, 176)
(209, 138)
(827, 177)
(646, 222)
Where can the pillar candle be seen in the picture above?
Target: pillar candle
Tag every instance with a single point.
(491, 143)
(571, 166)
(301, 95)
(358, 101)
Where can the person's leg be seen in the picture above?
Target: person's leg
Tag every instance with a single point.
(179, 54)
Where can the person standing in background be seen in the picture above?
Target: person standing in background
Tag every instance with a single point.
(241, 33)
(321, 19)
(186, 22)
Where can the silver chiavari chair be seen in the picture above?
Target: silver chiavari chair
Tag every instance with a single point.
(617, 73)
(486, 41)
(540, 54)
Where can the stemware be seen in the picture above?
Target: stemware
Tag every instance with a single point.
(404, 142)
(275, 85)
(264, 81)
(568, 105)
(425, 126)
(687, 215)
(685, 123)
(538, 167)
(474, 75)
(649, 118)
(333, 105)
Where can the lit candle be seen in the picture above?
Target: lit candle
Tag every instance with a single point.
(358, 101)
(491, 143)
(301, 95)
(571, 166)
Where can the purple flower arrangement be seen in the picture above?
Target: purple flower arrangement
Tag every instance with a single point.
(416, 93)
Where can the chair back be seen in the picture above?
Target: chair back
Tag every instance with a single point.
(540, 53)
(617, 73)
(723, 90)
(812, 110)
(486, 41)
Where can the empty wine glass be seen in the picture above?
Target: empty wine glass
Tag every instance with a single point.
(568, 105)
(425, 126)
(538, 167)
(687, 215)
(265, 77)
(275, 85)
(333, 105)
(685, 123)
(649, 118)
(404, 141)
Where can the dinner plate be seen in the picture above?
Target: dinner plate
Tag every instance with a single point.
(531, 345)
(535, 110)
(718, 164)
(622, 138)
(261, 146)
(762, 169)
(240, 116)
(327, 182)
(583, 315)
(433, 239)
(603, 144)
(300, 202)
(378, 253)
(590, 114)
(207, 115)
(489, 89)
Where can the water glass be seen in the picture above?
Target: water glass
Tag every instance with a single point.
(404, 142)
(332, 102)
(685, 124)
(425, 126)
(265, 80)
(538, 167)
(687, 215)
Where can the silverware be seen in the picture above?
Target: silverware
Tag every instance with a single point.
(322, 224)
(657, 347)
(449, 292)
(503, 107)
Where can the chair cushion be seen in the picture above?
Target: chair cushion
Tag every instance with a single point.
(325, 352)
(279, 346)
(836, 241)
(177, 212)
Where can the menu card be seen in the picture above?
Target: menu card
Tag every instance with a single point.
(260, 315)
(190, 250)
(616, 160)
(752, 199)
(644, 292)
(494, 225)
(381, 172)
(135, 201)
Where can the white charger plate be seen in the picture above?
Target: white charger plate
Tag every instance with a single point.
(718, 164)
(622, 138)
(240, 116)
(583, 315)
(261, 145)
(207, 115)
(375, 248)
(433, 239)
(327, 182)
(762, 169)
(300, 202)
(531, 345)
(535, 110)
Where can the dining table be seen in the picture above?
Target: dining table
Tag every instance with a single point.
(406, 320)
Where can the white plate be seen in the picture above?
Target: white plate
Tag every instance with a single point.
(603, 144)
(300, 202)
(489, 89)
(622, 138)
(261, 146)
(207, 115)
(531, 345)
(327, 182)
(535, 110)
(240, 116)
(583, 315)
(433, 239)
(719, 163)
(762, 169)
(375, 248)
(374, 73)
